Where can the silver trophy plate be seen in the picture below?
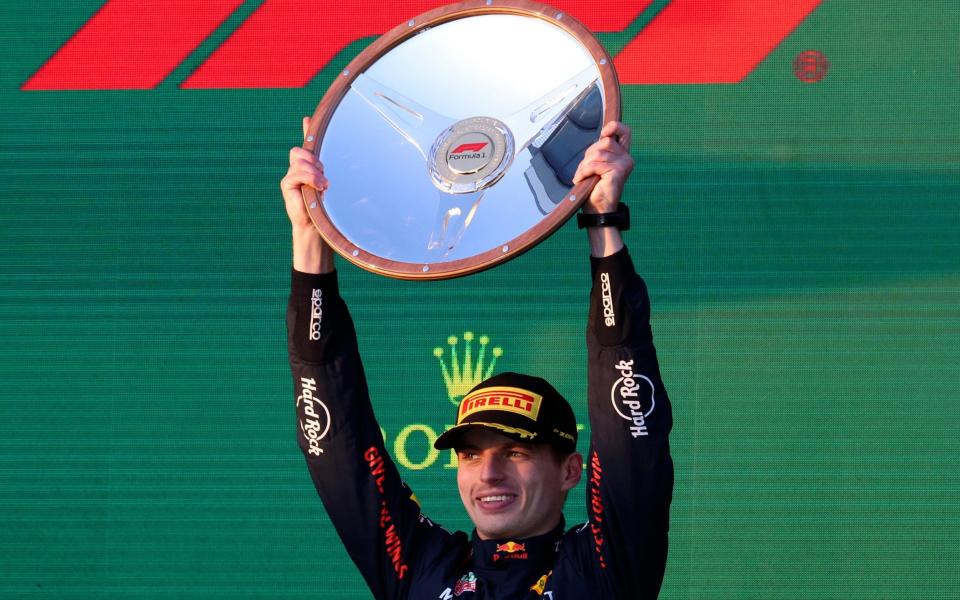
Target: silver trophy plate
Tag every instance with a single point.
(451, 142)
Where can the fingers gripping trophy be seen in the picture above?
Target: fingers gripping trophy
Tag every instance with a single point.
(426, 162)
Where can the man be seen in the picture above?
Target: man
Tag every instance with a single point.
(515, 436)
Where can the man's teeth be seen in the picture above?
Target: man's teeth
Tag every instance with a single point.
(494, 498)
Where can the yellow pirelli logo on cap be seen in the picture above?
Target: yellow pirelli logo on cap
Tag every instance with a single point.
(508, 399)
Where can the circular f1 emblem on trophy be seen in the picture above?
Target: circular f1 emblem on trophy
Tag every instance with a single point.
(445, 163)
(468, 154)
(471, 155)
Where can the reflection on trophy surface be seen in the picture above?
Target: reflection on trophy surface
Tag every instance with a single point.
(454, 138)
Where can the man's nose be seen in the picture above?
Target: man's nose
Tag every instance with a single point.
(492, 467)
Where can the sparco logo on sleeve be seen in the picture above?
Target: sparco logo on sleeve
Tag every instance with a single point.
(608, 315)
(314, 417)
(316, 314)
(629, 397)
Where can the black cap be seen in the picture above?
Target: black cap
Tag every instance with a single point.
(522, 407)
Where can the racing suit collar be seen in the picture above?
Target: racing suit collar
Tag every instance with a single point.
(531, 553)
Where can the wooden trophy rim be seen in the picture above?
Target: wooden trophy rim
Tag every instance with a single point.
(518, 245)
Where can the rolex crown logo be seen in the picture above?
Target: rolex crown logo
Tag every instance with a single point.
(460, 376)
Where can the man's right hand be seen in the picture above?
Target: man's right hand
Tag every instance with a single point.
(310, 253)
(304, 169)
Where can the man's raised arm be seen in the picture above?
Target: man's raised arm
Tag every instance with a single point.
(375, 514)
(629, 468)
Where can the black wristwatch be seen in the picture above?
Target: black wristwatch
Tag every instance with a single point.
(619, 219)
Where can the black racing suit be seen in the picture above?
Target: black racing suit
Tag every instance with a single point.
(619, 553)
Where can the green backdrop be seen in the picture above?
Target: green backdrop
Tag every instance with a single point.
(801, 242)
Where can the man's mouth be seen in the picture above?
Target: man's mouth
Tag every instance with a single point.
(494, 498)
(494, 501)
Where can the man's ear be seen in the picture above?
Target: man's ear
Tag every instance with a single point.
(571, 469)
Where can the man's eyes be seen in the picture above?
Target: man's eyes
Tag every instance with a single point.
(471, 455)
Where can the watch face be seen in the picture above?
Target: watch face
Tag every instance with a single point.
(451, 146)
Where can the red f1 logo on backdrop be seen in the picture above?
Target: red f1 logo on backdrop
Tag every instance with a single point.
(136, 44)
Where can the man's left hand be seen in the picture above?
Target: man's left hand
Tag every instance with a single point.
(610, 159)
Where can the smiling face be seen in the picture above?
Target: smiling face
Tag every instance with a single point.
(512, 489)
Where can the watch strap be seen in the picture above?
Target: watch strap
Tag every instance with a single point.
(620, 218)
